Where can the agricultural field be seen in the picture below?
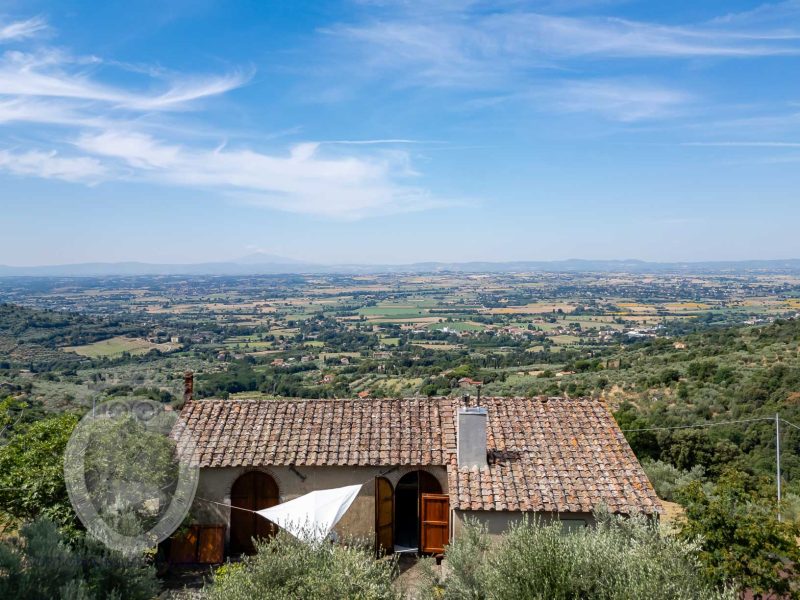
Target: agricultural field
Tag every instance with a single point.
(117, 346)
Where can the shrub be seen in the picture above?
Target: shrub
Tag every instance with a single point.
(465, 565)
(702, 370)
(742, 539)
(618, 559)
(667, 479)
(32, 473)
(285, 568)
(41, 564)
(107, 572)
(38, 565)
(667, 376)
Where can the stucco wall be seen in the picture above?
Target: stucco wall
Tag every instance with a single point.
(215, 484)
(497, 522)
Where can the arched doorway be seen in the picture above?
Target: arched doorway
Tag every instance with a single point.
(407, 508)
(253, 491)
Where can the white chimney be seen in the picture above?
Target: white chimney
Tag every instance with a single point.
(471, 436)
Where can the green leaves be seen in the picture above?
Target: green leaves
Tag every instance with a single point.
(41, 564)
(618, 559)
(285, 568)
(32, 472)
(742, 540)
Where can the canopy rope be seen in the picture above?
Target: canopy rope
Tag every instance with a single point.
(381, 474)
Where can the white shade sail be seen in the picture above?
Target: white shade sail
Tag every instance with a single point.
(311, 517)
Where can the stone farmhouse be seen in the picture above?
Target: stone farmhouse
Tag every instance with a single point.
(426, 464)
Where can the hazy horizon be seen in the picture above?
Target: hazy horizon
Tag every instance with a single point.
(289, 261)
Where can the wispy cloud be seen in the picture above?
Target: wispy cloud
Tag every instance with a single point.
(52, 74)
(50, 165)
(103, 137)
(447, 44)
(625, 100)
(303, 180)
(20, 30)
(619, 38)
(388, 141)
(744, 144)
(618, 100)
(48, 111)
(480, 48)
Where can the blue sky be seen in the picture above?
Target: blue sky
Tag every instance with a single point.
(380, 131)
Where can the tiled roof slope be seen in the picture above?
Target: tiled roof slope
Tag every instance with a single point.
(230, 433)
(545, 454)
(553, 454)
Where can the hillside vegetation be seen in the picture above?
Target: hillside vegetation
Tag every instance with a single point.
(31, 338)
(729, 374)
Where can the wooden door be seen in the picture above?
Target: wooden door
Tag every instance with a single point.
(252, 491)
(435, 523)
(384, 516)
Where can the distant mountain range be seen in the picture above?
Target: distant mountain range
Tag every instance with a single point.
(266, 264)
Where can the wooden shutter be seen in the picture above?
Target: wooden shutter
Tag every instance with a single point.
(211, 544)
(435, 517)
(183, 547)
(384, 516)
(200, 544)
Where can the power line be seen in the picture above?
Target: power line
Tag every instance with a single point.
(777, 419)
(790, 424)
(698, 425)
(14, 424)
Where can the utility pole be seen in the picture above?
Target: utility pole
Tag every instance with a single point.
(778, 458)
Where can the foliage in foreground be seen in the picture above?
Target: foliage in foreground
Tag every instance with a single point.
(41, 564)
(619, 559)
(742, 539)
(285, 568)
(32, 473)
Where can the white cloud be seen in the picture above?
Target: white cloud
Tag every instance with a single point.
(110, 128)
(52, 74)
(610, 37)
(625, 101)
(302, 181)
(50, 165)
(34, 110)
(20, 30)
(479, 48)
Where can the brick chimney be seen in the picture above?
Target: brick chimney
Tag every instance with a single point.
(471, 436)
(188, 386)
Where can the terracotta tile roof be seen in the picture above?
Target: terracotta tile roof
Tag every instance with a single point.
(552, 454)
(556, 454)
(230, 433)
